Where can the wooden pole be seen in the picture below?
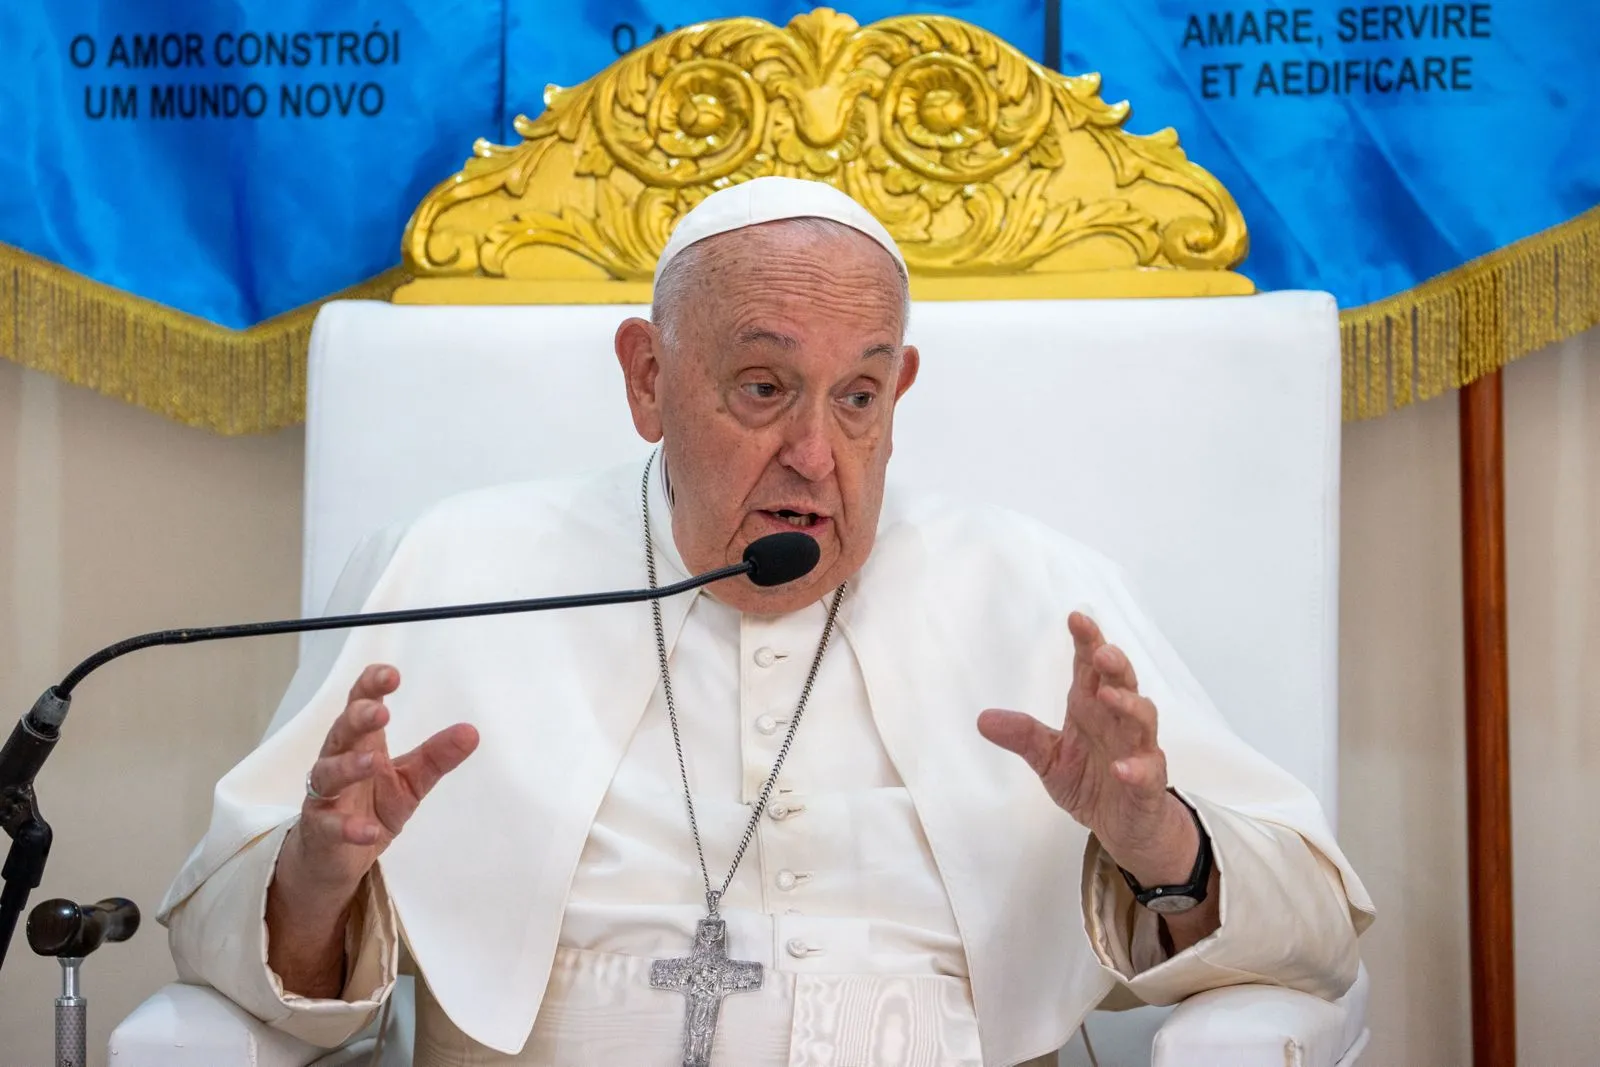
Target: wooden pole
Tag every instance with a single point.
(1483, 567)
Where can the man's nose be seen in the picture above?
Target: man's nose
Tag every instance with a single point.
(807, 448)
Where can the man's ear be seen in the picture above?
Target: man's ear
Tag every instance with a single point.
(638, 345)
(910, 363)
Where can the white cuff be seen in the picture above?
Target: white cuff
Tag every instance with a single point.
(1285, 919)
(219, 937)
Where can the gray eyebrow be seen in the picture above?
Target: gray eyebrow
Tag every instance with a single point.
(755, 334)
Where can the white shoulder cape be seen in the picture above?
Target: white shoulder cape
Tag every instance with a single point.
(958, 609)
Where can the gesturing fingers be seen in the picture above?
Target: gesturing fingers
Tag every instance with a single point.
(331, 775)
(1130, 727)
(436, 757)
(1115, 667)
(1139, 764)
(336, 827)
(1024, 735)
(355, 727)
(365, 714)
(1124, 735)
(1086, 641)
(1085, 632)
(375, 683)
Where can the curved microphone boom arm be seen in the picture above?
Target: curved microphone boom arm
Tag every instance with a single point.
(772, 560)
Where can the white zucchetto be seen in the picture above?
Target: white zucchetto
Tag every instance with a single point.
(773, 199)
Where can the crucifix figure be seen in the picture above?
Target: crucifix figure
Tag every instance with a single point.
(704, 977)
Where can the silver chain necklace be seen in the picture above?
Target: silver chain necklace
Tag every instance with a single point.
(707, 975)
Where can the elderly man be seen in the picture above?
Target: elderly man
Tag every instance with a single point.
(755, 826)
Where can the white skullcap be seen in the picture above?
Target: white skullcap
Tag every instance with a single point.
(772, 199)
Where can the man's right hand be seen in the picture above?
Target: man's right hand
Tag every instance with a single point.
(369, 798)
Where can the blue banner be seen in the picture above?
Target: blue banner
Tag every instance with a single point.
(238, 160)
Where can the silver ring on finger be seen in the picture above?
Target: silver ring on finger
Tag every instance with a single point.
(312, 794)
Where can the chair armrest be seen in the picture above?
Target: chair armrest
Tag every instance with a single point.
(195, 1026)
(1264, 1026)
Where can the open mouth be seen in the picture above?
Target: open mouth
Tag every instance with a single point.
(799, 519)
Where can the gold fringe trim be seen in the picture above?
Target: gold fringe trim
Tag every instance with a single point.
(1440, 335)
(1473, 320)
(229, 381)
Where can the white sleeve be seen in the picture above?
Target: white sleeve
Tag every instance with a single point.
(218, 936)
(1285, 918)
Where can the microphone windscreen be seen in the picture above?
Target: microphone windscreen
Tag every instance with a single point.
(781, 557)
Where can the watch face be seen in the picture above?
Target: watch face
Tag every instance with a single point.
(1172, 905)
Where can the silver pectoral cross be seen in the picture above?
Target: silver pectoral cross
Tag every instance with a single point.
(704, 977)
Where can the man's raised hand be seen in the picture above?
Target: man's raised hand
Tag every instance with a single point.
(369, 794)
(364, 798)
(1104, 765)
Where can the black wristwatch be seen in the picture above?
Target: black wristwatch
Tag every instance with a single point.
(1172, 899)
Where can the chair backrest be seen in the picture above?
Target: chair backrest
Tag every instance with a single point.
(1195, 441)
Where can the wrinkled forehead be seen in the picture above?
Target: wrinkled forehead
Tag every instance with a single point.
(816, 270)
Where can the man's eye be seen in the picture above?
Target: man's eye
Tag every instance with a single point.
(761, 390)
(860, 401)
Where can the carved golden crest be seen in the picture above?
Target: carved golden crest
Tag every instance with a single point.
(980, 162)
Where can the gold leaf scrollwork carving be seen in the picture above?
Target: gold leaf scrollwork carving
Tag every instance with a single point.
(980, 162)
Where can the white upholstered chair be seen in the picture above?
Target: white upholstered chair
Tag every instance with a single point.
(1196, 441)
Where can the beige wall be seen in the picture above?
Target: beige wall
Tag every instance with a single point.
(114, 521)
(1553, 563)
(1402, 738)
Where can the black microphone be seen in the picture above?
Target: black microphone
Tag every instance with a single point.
(64, 929)
(772, 560)
(780, 558)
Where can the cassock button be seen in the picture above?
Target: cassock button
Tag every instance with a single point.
(781, 811)
(767, 725)
(765, 657)
(786, 880)
(800, 950)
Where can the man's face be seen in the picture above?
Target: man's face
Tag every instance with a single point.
(776, 401)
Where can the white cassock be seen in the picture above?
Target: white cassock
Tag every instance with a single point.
(914, 894)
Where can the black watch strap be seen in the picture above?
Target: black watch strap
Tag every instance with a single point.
(1171, 899)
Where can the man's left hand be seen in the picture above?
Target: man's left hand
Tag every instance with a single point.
(1104, 765)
